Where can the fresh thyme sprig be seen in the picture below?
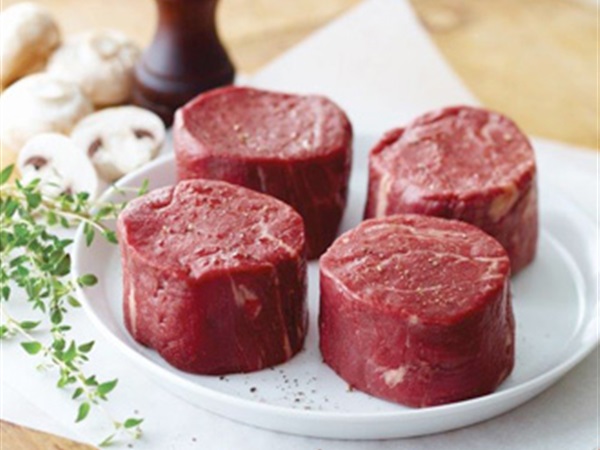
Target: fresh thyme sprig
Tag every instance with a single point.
(35, 260)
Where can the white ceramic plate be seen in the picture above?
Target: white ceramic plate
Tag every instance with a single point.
(555, 307)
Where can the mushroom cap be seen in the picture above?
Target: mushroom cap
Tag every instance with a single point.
(58, 163)
(29, 35)
(37, 104)
(101, 62)
(119, 140)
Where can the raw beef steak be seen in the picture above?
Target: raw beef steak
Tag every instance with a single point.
(460, 163)
(417, 310)
(214, 276)
(295, 148)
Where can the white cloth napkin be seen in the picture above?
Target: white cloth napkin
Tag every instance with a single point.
(379, 64)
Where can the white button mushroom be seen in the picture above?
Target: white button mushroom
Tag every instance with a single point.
(37, 104)
(101, 62)
(119, 140)
(59, 164)
(29, 35)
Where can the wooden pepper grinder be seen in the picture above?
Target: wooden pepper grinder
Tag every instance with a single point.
(184, 59)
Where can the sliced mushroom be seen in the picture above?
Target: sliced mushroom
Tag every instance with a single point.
(119, 140)
(29, 35)
(59, 164)
(101, 62)
(37, 104)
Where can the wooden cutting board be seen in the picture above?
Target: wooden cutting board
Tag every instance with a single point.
(534, 60)
(17, 437)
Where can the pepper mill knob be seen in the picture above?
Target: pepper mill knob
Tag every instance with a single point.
(184, 59)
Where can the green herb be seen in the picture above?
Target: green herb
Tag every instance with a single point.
(35, 260)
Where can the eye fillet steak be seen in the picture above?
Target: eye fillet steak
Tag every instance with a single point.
(417, 310)
(295, 148)
(460, 163)
(214, 276)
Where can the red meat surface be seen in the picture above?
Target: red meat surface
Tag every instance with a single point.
(417, 310)
(295, 148)
(460, 163)
(214, 276)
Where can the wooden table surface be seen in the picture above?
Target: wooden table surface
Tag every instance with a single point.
(534, 60)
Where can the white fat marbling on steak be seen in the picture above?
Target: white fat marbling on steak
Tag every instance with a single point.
(385, 185)
(504, 202)
(132, 308)
(393, 377)
(242, 295)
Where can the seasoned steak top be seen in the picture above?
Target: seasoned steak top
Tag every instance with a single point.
(256, 124)
(457, 151)
(422, 268)
(199, 225)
